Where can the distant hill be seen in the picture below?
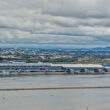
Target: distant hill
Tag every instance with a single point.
(62, 48)
(101, 49)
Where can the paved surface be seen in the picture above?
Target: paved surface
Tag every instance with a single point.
(54, 88)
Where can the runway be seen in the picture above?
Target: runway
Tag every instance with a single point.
(54, 88)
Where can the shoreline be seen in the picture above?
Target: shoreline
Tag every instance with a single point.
(51, 73)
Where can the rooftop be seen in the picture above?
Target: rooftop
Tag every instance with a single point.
(79, 65)
(50, 64)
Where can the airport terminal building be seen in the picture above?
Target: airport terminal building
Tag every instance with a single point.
(36, 68)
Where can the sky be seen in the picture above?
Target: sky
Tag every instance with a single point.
(65, 23)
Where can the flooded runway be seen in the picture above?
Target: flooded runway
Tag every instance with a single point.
(62, 92)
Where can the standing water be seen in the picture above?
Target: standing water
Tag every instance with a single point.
(76, 99)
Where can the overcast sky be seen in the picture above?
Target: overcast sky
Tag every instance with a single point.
(57, 22)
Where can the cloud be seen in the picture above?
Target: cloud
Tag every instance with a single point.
(63, 22)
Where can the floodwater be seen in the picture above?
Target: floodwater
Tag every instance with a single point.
(77, 99)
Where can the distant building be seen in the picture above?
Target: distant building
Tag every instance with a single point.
(40, 68)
